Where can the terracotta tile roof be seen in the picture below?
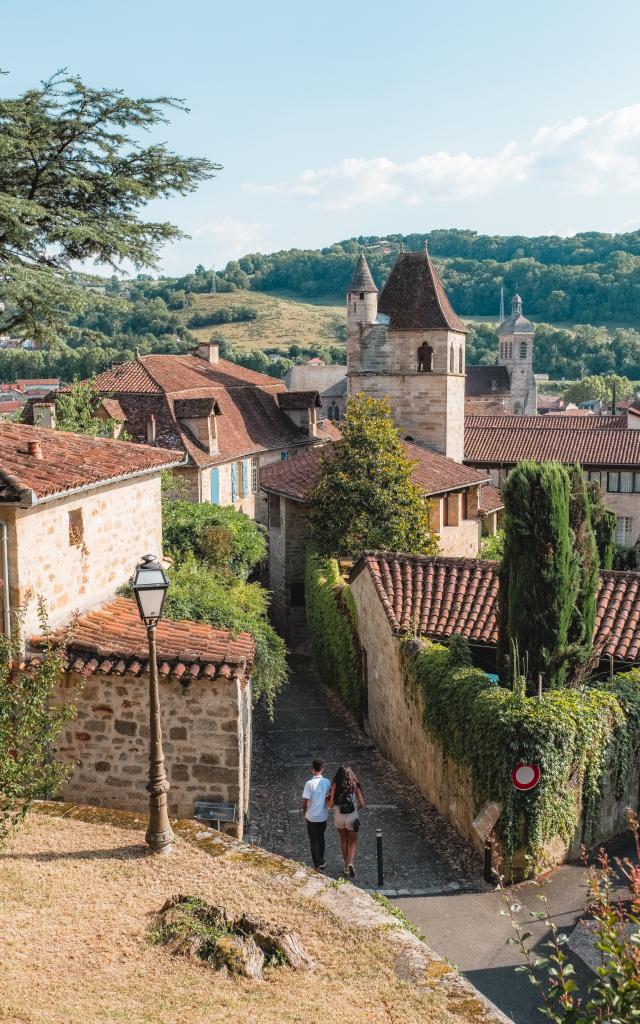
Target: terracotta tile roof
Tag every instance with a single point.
(557, 440)
(175, 374)
(434, 473)
(329, 430)
(548, 422)
(299, 400)
(113, 409)
(437, 597)
(69, 461)
(490, 500)
(480, 380)
(413, 296)
(113, 641)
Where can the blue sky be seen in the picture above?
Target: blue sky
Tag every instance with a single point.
(341, 119)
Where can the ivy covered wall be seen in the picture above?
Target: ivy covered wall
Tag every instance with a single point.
(332, 621)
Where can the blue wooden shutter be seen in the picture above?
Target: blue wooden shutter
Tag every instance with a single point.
(245, 477)
(283, 455)
(215, 486)
(234, 481)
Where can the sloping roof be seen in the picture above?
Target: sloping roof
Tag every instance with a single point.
(437, 597)
(490, 500)
(413, 296)
(160, 386)
(113, 409)
(548, 422)
(69, 461)
(113, 641)
(362, 280)
(486, 380)
(299, 400)
(551, 441)
(337, 390)
(516, 324)
(435, 474)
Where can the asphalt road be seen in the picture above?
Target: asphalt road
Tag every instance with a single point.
(469, 930)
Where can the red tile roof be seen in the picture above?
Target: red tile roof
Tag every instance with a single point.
(550, 440)
(174, 375)
(299, 400)
(490, 500)
(69, 461)
(437, 597)
(548, 422)
(113, 641)
(413, 297)
(434, 473)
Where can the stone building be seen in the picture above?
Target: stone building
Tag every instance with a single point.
(408, 346)
(225, 419)
(205, 712)
(459, 507)
(510, 387)
(76, 514)
(400, 595)
(607, 448)
(329, 381)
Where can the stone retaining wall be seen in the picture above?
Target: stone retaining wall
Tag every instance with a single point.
(206, 727)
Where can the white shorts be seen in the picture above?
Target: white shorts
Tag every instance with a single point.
(344, 820)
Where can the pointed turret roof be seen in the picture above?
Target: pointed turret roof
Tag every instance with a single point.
(362, 280)
(414, 299)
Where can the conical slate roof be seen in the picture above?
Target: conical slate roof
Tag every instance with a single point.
(362, 280)
(414, 299)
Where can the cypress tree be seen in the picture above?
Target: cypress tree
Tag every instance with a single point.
(603, 521)
(539, 575)
(585, 547)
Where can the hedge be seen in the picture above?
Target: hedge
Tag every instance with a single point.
(578, 737)
(331, 617)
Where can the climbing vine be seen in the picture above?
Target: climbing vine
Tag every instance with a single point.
(575, 736)
(331, 616)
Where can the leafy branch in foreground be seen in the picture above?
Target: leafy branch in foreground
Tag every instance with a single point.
(74, 176)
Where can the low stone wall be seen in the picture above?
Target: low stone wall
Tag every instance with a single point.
(206, 728)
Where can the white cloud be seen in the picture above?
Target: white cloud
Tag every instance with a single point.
(579, 156)
(226, 239)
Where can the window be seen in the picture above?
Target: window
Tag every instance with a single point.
(523, 350)
(636, 482)
(245, 477)
(283, 455)
(445, 512)
(596, 477)
(297, 594)
(613, 482)
(465, 504)
(215, 486)
(460, 360)
(76, 528)
(254, 476)
(451, 360)
(274, 510)
(624, 530)
(626, 482)
(332, 411)
(362, 295)
(234, 481)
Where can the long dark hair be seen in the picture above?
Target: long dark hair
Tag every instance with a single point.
(345, 780)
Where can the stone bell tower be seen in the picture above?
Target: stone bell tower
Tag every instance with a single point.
(516, 353)
(408, 346)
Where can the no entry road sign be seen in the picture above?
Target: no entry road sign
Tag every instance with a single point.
(525, 776)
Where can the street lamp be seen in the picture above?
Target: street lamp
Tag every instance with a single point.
(150, 585)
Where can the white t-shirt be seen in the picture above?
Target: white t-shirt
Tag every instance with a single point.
(315, 791)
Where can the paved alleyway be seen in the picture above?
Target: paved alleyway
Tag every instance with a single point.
(422, 853)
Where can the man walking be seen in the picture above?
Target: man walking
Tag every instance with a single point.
(314, 808)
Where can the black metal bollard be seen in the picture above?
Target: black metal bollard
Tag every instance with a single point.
(380, 861)
(488, 859)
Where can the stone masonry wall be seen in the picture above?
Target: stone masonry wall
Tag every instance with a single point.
(77, 550)
(206, 728)
(287, 546)
(395, 718)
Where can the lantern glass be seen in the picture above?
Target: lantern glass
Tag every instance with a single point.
(150, 585)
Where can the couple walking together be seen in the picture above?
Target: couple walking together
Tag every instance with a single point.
(343, 795)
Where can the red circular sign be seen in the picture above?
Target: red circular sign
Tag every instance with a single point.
(525, 776)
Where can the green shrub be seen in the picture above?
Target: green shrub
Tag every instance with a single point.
(220, 536)
(575, 736)
(331, 617)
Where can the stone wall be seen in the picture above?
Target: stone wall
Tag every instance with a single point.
(288, 538)
(254, 503)
(75, 551)
(395, 715)
(206, 728)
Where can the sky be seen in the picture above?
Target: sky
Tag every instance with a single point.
(333, 119)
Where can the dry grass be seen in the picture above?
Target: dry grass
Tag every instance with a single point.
(282, 321)
(77, 900)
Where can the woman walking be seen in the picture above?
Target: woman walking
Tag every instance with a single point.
(346, 799)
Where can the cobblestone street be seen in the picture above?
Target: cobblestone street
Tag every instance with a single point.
(423, 855)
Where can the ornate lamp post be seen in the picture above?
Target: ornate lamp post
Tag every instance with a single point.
(150, 585)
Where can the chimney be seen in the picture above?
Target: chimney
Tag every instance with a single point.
(209, 351)
(44, 415)
(34, 448)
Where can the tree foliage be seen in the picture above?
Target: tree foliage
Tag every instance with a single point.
(331, 617)
(76, 411)
(599, 388)
(548, 576)
(220, 536)
(74, 177)
(365, 497)
(30, 721)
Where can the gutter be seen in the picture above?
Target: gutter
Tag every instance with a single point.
(28, 499)
(5, 580)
